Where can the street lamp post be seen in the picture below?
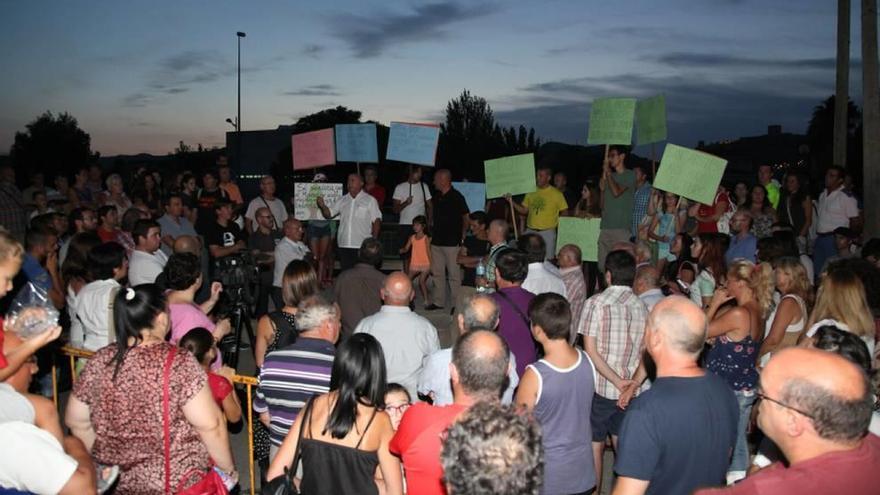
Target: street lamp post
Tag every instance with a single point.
(239, 35)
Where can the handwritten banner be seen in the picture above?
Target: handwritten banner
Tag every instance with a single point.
(510, 175)
(356, 143)
(313, 149)
(583, 233)
(651, 120)
(474, 194)
(690, 173)
(611, 121)
(413, 143)
(305, 196)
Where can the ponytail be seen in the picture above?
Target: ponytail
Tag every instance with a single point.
(134, 310)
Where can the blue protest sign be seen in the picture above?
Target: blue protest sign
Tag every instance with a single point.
(413, 143)
(474, 194)
(356, 143)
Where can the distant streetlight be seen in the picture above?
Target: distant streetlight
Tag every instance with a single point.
(237, 124)
(233, 124)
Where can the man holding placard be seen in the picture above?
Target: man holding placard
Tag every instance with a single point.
(617, 186)
(411, 199)
(359, 218)
(543, 207)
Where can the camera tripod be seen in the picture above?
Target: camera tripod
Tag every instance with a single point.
(240, 319)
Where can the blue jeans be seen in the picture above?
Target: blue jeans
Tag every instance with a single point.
(740, 460)
(823, 249)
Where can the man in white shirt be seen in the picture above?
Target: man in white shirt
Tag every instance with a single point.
(289, 248)
(411, 199)
(92, 318)
(147, 260)
(646, 286)
(266, 199)
(359, 218)
(542, 276)
(837, 208)
(478, 312)
(406, 337)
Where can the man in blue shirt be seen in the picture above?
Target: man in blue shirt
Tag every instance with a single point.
(40, 264)
(743, 245)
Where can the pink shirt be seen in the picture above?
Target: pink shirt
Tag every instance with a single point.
(185, 317)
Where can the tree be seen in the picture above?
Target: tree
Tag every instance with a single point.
(470, 135)
(820, 136)
(327, 118)
(52, 145)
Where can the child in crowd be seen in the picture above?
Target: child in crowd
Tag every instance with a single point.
(397, 401)
(200, 342)
(420, 258)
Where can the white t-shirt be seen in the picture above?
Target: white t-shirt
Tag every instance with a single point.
(143, 267)
(541, 280)
(356, 217)
(285, 252)
(93, 311)
(835, 210)
(37, 463)
(15, 407)
(420, 193)
(276, 206)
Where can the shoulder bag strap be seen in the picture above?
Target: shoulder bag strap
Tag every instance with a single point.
(274, 220)
(522, 315)
(166, 413)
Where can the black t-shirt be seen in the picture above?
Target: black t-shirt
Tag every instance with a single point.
(679, 434)
(218, 235)
(207, 215)
(448, 211)
(265, 243)
(475, 247)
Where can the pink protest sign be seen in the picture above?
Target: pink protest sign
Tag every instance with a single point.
(313, 149)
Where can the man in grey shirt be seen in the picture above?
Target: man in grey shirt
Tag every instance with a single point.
(174, 223)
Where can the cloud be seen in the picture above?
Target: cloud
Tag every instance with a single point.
(369, 36)
(315, 90)
(715, 60)
(312, 50)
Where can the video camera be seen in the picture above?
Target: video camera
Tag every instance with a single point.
(237, 273)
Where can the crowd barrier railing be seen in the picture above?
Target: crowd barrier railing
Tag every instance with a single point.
(249, 382)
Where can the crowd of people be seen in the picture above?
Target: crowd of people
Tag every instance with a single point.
(714, 348)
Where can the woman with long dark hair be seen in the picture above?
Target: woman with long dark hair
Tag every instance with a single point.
(708, 251)
(763, 214)
(345, 432)
(117, 407)
(796, 209)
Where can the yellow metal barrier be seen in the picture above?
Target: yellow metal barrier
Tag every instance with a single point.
(248, 381)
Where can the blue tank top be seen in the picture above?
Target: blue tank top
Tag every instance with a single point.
(734, 361)
(565, 398)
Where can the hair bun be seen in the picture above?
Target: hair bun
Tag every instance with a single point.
(129, 294)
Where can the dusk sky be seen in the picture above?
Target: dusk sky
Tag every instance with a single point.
(141, 76)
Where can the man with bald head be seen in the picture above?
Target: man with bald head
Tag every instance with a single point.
(647, 286)
(478, 312)
(407, 338)
(572, 273)
(816, 406)
(478, 372)
(450, 224)
(677, 436)
(359, 218)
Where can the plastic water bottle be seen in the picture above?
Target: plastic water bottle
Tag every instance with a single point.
(481, 274)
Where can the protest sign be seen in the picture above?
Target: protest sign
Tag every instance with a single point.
(611, 121)
(690, 173)
(413, 143)
(583, 233)
(313, 149)
(651, 120)
(510, 175)
(474, 194)
(356, 143)
(305, 195)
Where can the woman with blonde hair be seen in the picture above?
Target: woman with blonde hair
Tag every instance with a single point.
(736, 333)
(841, 301)
(789, 318)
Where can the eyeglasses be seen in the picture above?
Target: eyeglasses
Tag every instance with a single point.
(397, 409)
(762, 396)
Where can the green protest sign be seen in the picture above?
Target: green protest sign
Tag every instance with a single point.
(651, 120)
(611, 121)
(583, 233)
(690, 173)
(510, 175)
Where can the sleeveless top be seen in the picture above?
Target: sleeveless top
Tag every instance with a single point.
(333, 469)
(734, 360)
(792, 331)
(565, 397)
(419, 251)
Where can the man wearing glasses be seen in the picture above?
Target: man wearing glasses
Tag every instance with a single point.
(742, 243)
(816, 406)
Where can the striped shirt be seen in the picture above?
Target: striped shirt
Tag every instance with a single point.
(289, 378)
(616, 319)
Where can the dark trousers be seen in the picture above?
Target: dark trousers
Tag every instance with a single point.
(348, 257)
(264, 290)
